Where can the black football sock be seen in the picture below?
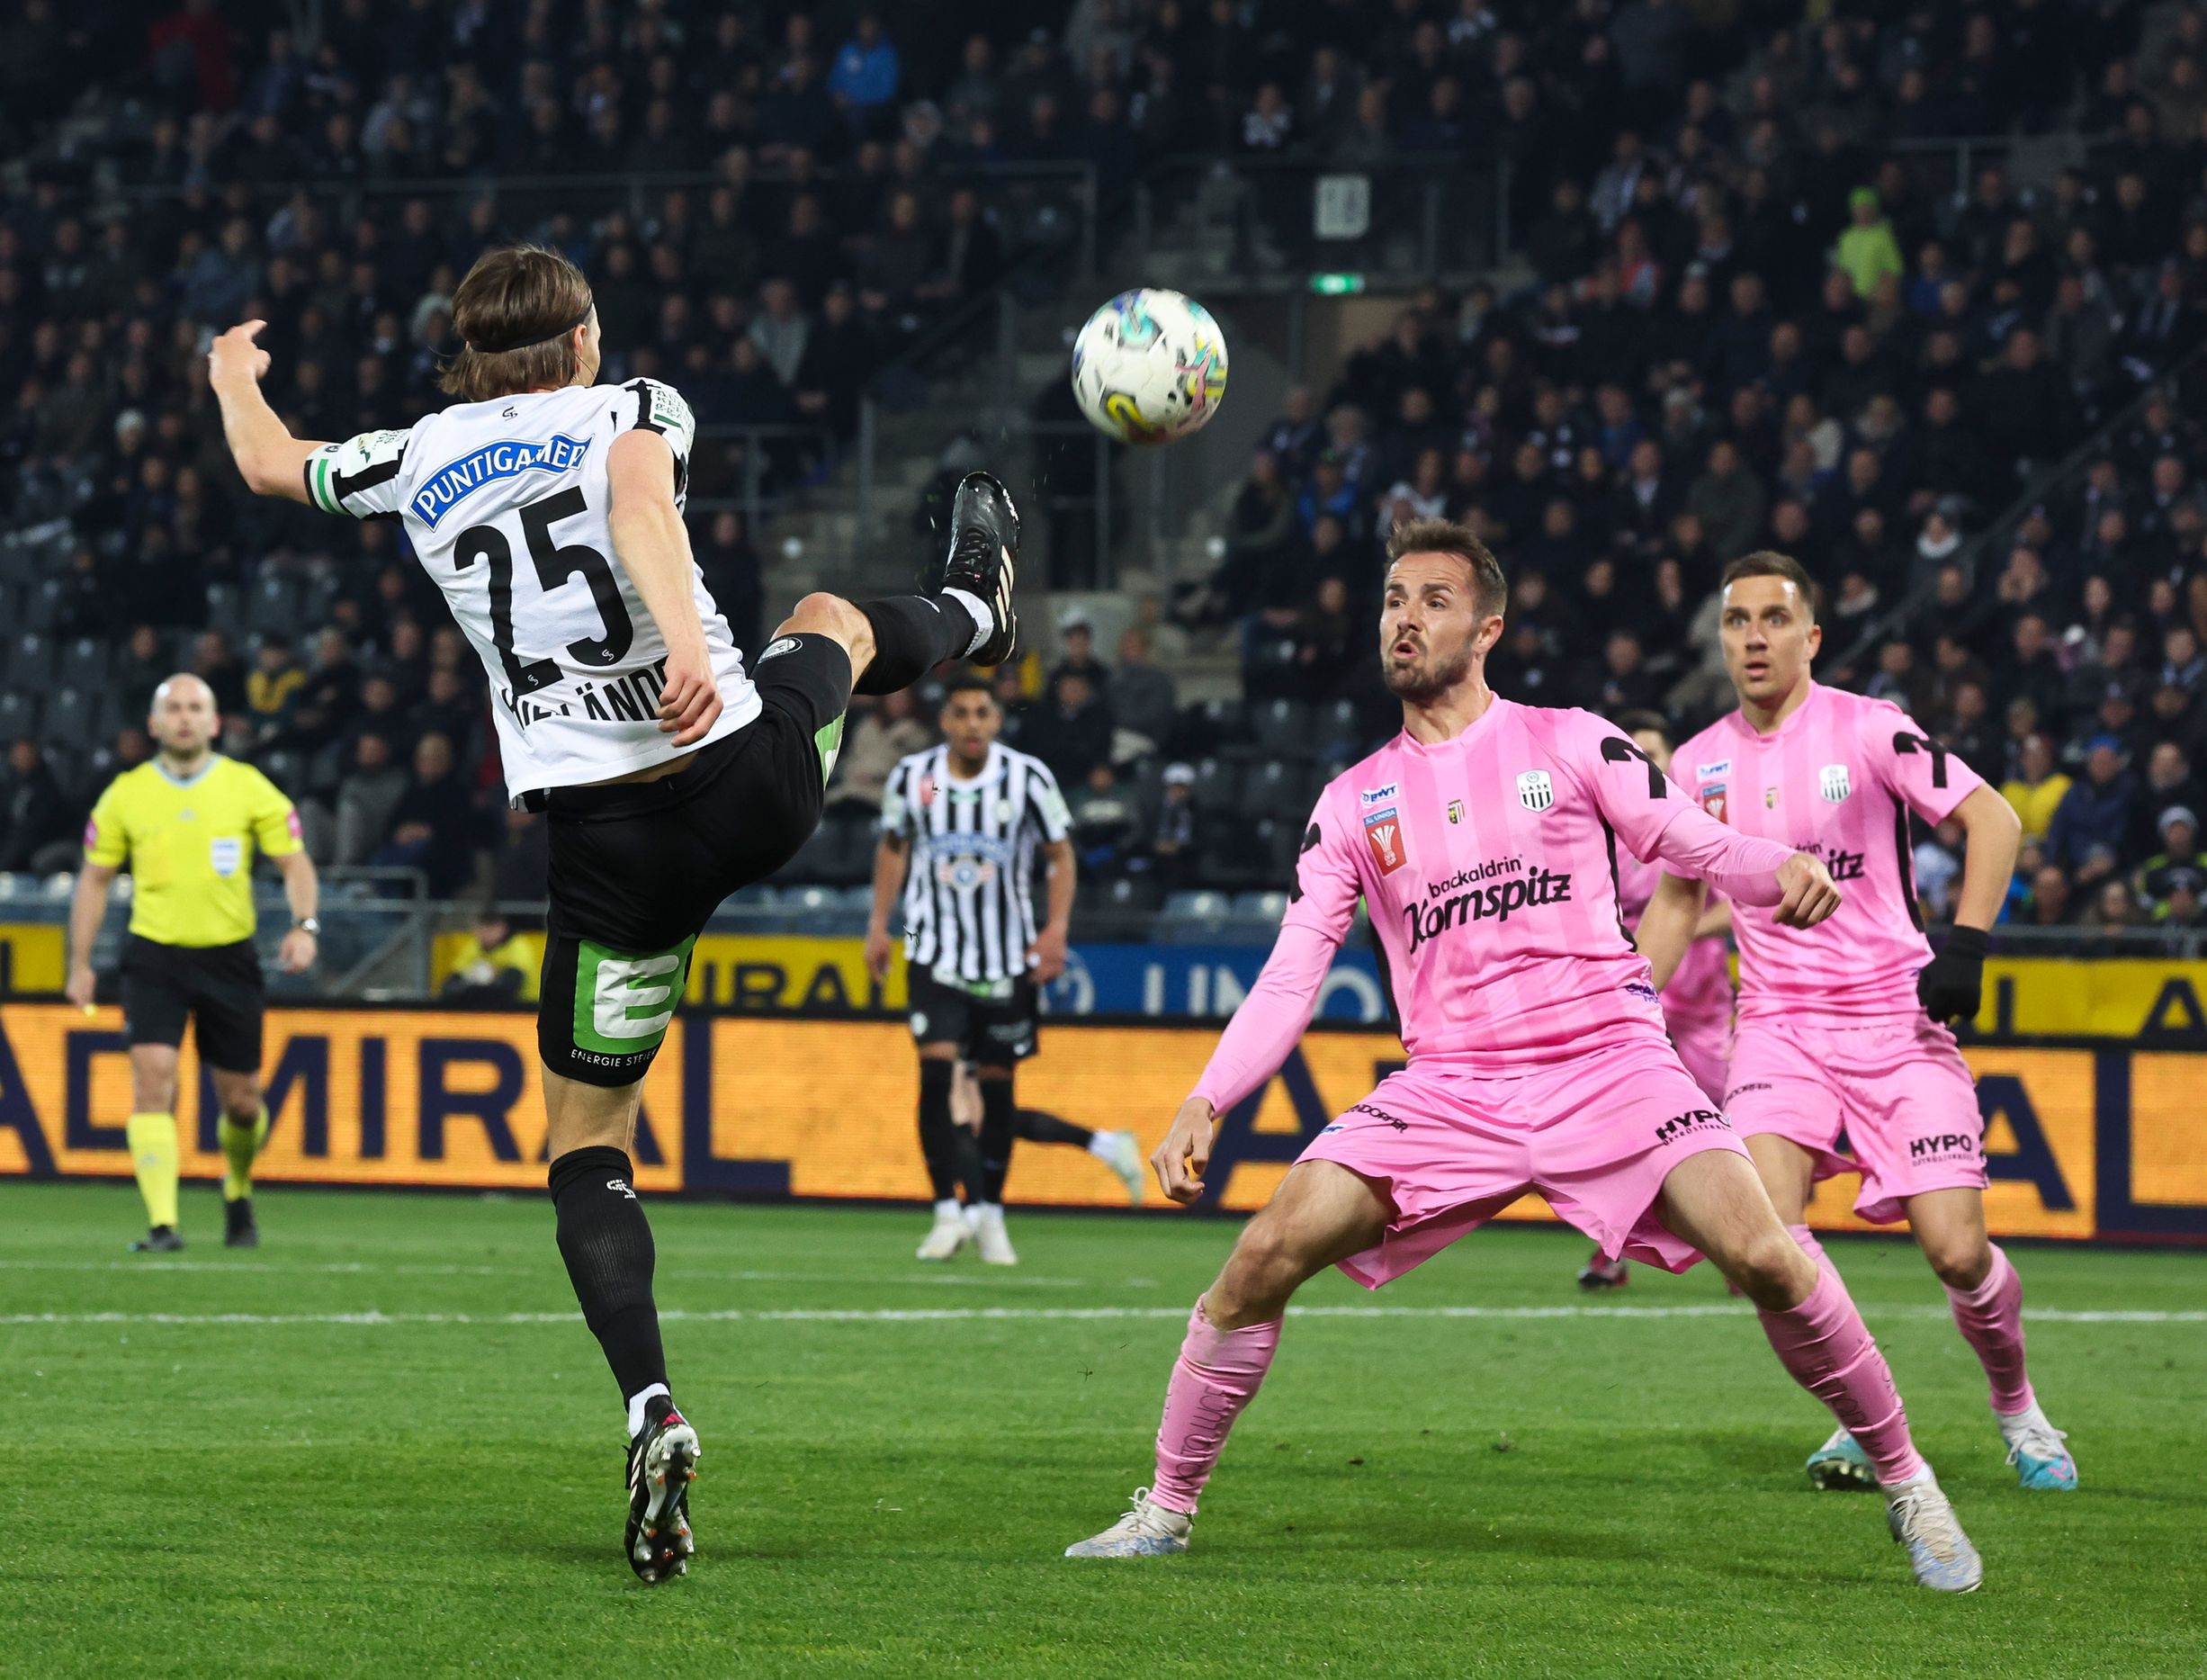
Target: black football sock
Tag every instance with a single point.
(1038, 1127)
(939, 1132)
(607, 1243)
(912, 634)
(997, 1122)
(969, 1164)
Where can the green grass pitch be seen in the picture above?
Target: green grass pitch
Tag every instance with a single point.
(401, 1456)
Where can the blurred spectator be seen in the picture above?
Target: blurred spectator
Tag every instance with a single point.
(2050, 901)
(1106, 822)
(433, 823)
(2178, 867)
(2092, 819)
(879, 731)
(1076, 634)
(1173, 837)
(2037, 788)
(1142, 697)
(493, 964)
(1071, 730)
(273, 688)
(366, 798)
(38, 820)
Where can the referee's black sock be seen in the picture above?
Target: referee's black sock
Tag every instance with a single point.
(939, 1132)
(998, 1120)
(912, 634)
(607, 1243)
(1038, 1127)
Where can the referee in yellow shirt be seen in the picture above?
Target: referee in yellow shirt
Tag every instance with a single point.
(187, 822)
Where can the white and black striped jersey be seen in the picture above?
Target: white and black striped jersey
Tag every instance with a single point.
(505, 503)
(969, 890)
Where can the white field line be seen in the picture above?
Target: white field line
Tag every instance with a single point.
(961, 1315)
(356, 1268)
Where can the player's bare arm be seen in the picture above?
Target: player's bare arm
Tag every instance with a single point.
(1952, 985)
(87, 910)
(302, 890)
(1181, 1160)
(1671, 922)
(271, 461)
(653, 547)
(1049, 952)
(889, 859)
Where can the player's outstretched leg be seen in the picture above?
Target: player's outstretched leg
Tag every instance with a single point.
(1116, 1150)
(1323, 1213)
(1715, 1201)
(894, 642)
(1986, 1296)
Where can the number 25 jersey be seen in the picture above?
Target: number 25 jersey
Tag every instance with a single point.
(506, 505)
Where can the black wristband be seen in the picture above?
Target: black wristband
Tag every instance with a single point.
(1971, 942)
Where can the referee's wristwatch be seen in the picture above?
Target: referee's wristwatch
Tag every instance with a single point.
(308, 924)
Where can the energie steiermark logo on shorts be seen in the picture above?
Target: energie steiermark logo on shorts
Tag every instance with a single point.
(625, 1000)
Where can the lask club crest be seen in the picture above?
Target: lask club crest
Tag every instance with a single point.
(1832, 779)
(1535, 792)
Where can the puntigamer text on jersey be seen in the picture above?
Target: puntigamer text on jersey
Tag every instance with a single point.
(450, 484)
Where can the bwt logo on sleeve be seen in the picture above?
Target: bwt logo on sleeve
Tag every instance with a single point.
(457, 480)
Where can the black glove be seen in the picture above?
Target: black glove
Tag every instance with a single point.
(1952, 983)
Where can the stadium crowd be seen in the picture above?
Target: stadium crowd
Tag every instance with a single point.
(1750, 321)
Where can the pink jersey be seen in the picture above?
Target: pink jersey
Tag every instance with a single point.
(1488, 864)
(1700, 989)
(1838, 779)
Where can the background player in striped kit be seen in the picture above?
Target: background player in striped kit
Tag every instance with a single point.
(968, 818)
(1696, 1003)
(1842, 1028)
(1115, 1149)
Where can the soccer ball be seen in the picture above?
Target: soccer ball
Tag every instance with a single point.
(1149, 367)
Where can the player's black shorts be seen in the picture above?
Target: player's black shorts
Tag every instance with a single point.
(218, 986)
(638, 867)
(990, 1030)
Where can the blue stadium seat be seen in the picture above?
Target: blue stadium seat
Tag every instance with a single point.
(273, 608)
(1218, 785)
(1283, 728)
(1279, 789)
(85, 663)
(19, 715)
(1197, 905)
(77, 718)
(32, 660)
(1267, 906)
(1129, 895)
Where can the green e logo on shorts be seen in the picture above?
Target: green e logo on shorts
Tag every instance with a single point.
(623, 999)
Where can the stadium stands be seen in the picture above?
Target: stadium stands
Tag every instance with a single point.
(1747, 302)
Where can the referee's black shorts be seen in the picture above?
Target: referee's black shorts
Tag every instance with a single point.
(216, 987)
(638, 867)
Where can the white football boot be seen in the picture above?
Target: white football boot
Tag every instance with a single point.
(989, 1236)
(1120, 1152)
(1939, 1553)
(947, 1235)
(1147, 1531)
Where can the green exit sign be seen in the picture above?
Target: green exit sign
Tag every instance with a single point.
(1336, 285)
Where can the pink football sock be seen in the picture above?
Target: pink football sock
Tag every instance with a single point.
(1809, 1246)
(1215, 1376)
(1823, 1344)
(1991, 1320)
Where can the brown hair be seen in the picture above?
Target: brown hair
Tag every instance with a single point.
(1490, 592)
(1640, 720)
(516, 314)
(1768, 562)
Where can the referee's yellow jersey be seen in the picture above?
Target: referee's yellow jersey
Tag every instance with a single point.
(190, 847)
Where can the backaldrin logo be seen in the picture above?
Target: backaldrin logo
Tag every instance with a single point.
(1496, 901)
(457, 480)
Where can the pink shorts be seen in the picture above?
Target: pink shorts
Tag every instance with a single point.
(1596, 1135)
(1703, 1041)
(1895, 1093)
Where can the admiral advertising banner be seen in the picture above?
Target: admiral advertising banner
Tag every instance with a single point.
(2080, 1142)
